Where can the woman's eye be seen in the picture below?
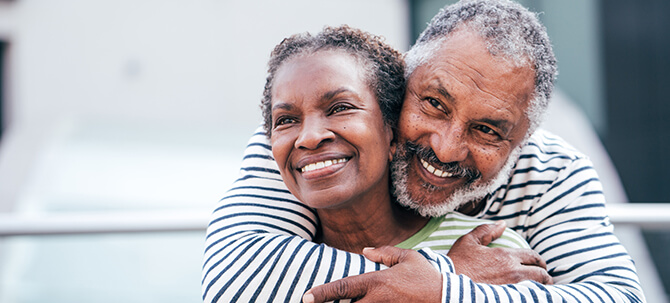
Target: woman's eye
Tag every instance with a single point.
(339, 108)
(284, 120)
(436, 104)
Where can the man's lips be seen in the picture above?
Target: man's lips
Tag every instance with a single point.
(435, 171)
(441, 178)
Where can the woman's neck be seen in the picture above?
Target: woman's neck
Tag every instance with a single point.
(368, 223)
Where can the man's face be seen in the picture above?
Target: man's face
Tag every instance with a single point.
(463, 116)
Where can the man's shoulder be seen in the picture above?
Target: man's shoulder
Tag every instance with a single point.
(546, 149)
(544, 159)
(546, 163)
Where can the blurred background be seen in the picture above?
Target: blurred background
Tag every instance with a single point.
(110, 109)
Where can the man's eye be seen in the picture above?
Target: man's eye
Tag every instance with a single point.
(487, 130)
(436, 104)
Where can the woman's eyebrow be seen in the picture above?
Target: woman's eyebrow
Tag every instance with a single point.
(283, 106)
(331, 94)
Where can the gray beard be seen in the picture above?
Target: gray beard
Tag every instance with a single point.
(474, 191)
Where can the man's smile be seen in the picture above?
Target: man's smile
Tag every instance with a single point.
(435, 171)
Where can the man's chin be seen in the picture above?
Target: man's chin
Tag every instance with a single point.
(437, 203)
(430, 200)
(430, 208)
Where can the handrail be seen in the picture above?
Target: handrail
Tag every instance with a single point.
(643, 215)
(103, 222)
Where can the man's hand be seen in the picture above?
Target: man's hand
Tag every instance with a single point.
(482, 264)
(410, 278)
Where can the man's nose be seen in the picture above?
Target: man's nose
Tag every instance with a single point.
(450, 144)
(313, 133)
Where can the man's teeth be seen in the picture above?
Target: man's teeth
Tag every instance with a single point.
(435, 171)
(322, 164)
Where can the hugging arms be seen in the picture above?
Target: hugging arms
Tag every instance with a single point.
(467, 133)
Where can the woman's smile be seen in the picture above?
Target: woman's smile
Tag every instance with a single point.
(323, 168)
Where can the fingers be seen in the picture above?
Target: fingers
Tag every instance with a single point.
(387, 255)
(526, 264)
(382, 286)
(536, 274)
(486, 233)
(347, 288)
(530, 257)
(536, 266)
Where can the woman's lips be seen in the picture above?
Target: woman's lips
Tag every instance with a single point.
(321, 164)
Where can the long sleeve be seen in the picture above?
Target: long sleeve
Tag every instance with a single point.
(585, 259)
(257, 243)
(554, 200)
(258, 248)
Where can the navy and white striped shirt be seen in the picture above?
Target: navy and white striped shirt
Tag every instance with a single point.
(257, 244)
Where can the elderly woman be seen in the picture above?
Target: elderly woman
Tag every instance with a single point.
(331, 104)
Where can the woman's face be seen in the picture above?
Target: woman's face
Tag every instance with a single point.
(328, 135)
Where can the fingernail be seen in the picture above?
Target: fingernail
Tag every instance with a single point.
(308, 298)
(367, 248)
(500, 223)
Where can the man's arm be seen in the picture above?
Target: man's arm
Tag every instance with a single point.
(256, 245)
(258, 239)
(567, 225)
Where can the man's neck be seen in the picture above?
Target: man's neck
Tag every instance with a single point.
(472, 208)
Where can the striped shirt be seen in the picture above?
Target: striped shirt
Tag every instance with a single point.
(257, 241)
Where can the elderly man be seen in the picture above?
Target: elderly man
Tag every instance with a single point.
(479, 81)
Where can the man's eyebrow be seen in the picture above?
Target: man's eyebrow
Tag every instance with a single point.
(443, 91)
(502, 124)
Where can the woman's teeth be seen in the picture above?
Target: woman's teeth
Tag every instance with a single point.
(321, 164)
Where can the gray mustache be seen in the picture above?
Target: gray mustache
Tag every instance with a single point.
(411, 149)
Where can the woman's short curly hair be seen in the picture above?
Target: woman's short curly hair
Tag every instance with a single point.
(383, 66)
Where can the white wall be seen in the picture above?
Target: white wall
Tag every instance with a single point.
(112, 67)
(179, 60)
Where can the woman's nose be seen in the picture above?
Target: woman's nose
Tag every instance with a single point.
(313, 133)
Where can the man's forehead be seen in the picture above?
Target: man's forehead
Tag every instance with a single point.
(489, 89)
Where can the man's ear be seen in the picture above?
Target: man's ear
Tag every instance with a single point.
(393, 140)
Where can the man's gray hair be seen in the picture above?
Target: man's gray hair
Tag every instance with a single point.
(509, 29)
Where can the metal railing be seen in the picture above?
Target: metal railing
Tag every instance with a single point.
(103, 222)
(643, 215)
